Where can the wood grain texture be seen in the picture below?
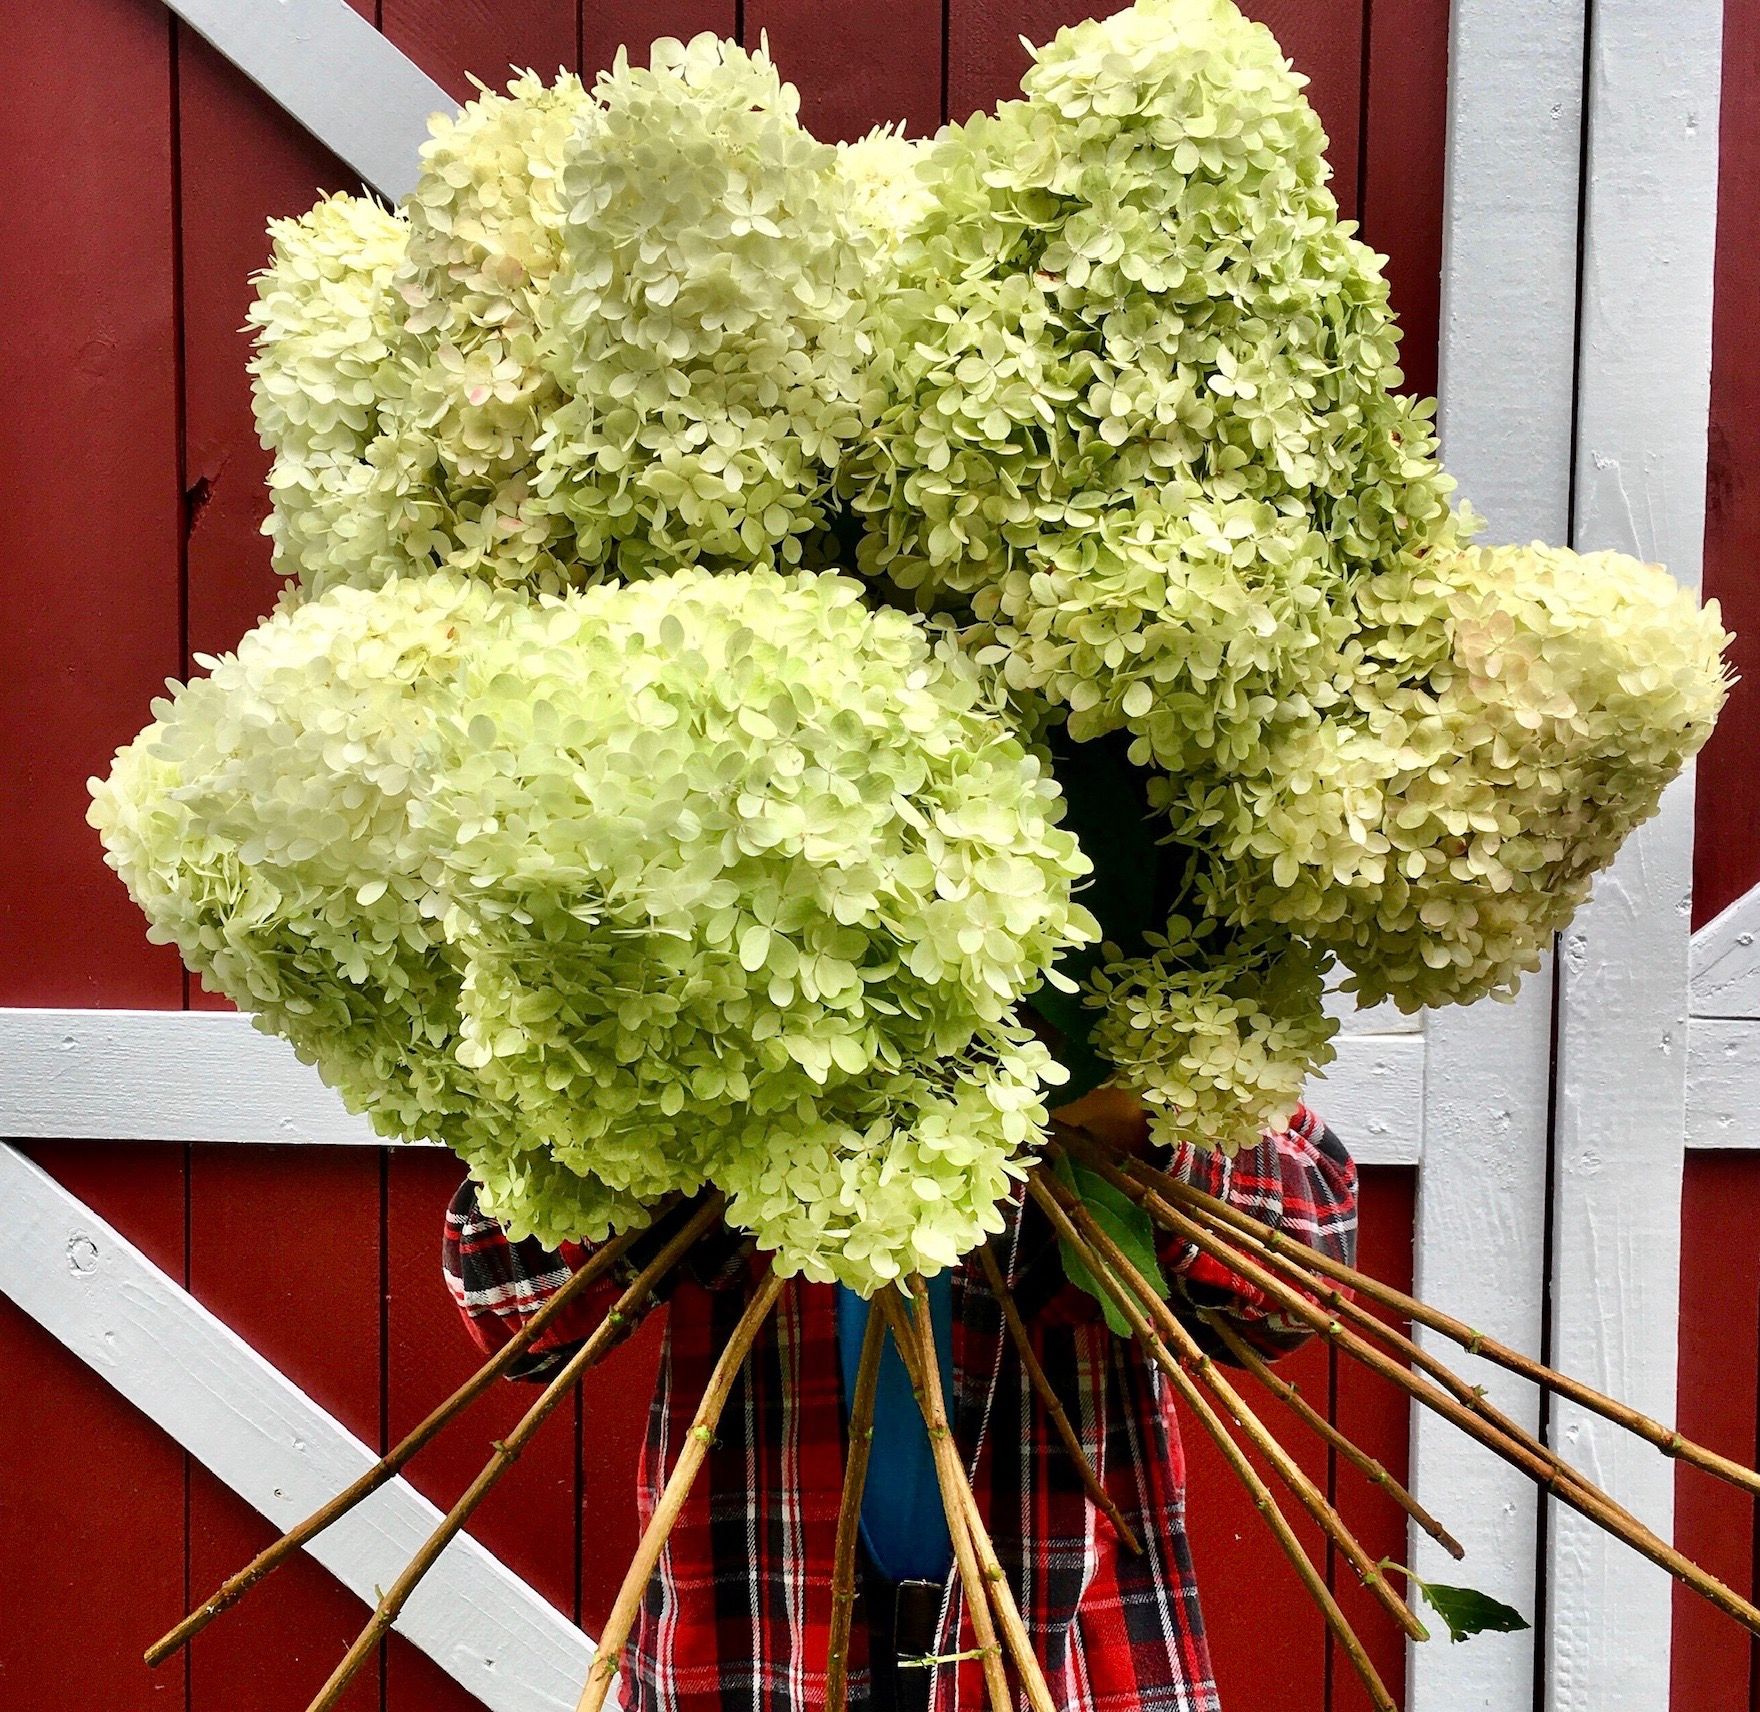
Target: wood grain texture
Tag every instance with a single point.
(242, 162)
(1404, 140)
(1725, 961)
(1720, 1340)
(1643, 383)
(91, 1493)
(856, 66)
(1726, 852)
(324, 62)
(1514, 95)
(284, 1247)
(456, 41)
(1723, 1089)
(88, 444)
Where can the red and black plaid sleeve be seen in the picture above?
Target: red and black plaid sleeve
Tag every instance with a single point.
(1299, 1180)
(498, 1285)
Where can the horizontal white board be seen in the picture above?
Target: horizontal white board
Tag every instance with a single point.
(112, 1075)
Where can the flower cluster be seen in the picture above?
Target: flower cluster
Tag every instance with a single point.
(569, 815)
(322, 377)
(705, 324)
(1215, 1031)
(700, 879)
(1515, 713)
(617, 331)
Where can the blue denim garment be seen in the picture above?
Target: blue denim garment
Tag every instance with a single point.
(903, 1524)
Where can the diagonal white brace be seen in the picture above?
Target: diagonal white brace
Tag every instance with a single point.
(242, 1418)
(327, 66)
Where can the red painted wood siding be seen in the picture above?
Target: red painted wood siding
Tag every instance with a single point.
(1726, 859)
(143, 170)
(1716, 1665)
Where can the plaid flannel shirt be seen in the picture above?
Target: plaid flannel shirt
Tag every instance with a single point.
(738, 1611)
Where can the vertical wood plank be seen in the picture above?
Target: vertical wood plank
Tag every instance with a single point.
(530, 1521)
(284, 1245)
(243, 162)
(1374, 1416)
(1643, 385)
(1720, 1369)
(1267, 1637)
(635, 24)
(1514, 95)
(454, 41)
(1405, 135)
(857, 66)
(91, 1493)
(1726, 851)
(88, 443)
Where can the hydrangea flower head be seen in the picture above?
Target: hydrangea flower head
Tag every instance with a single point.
(574, 811)
(723, 879)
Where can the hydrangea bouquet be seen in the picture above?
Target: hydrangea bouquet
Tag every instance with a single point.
(798, 659)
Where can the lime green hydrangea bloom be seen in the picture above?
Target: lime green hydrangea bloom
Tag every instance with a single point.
(1131, 313)
(1516, 712)
(485, 239)
(620, 878)
(706, 321)
(1216, 1032)
(625, 887)
(322, 375)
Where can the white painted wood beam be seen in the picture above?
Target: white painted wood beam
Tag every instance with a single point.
(246, 1421)
(332, 71)
(1649, 240)
(1723, 1083)
(103, 1075)
(1506, 388)
(1726, 962)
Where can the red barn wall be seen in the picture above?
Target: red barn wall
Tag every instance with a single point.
(143, 168)
(1715, 1665)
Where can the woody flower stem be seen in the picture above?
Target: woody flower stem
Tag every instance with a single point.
(1196, 1362)
(1130, 1305)
(849, 1513)
(1040, 1380)
(1495, 1430)
(926, 1383)
(1281, 1247)
(271, 1557)
(603, 1669)
(1008, 1616)
(1292, 1399)
(605, 1337)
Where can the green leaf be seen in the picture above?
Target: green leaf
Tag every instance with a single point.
(1465, 1611)
(1128, 1226)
